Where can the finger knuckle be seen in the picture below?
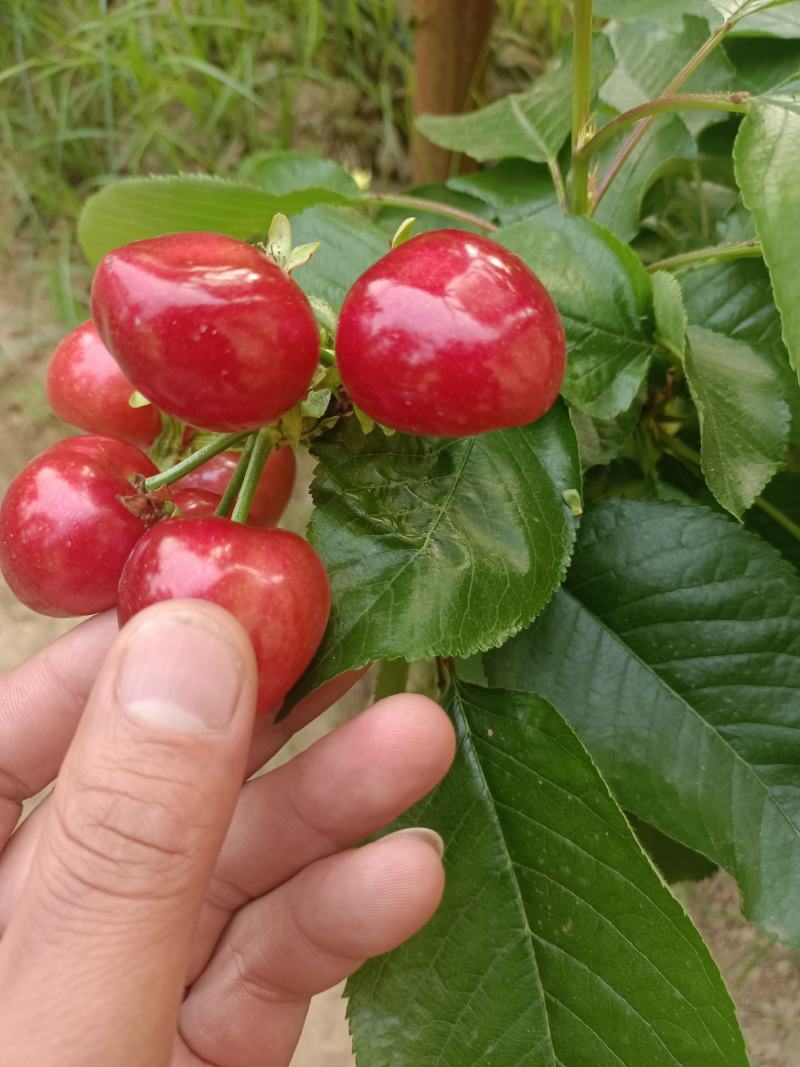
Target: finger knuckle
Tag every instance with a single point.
(125, 834)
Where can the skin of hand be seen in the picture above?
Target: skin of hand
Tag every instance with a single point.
(155, 910)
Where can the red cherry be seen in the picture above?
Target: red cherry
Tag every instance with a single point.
(272, 492)
(207, 328)
(86, 388)
(65, 531)
(194, 503)
(450, 335)
(271, 580)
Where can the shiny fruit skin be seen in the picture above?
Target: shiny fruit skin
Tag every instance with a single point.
(64, 532)
(207, 327)
(86, 388)
(450, 335)
(272, 492)
(271, 580)
(194, 503)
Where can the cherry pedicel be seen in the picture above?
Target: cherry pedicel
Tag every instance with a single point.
(86, 388)
(272, 492)
(208, 328)
(450, 335)
(69, 521)
(271, 580)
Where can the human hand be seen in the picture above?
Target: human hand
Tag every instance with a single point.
(151, 869)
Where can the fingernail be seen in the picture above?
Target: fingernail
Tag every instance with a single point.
(181, 671)
(430, 837)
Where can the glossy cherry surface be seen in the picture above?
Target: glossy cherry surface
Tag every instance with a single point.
(86, 388)
(450, 335)
(65, 531)
(207, 328)
(271, 580)
(272, 492)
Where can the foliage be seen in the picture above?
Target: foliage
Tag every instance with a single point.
(657, 672)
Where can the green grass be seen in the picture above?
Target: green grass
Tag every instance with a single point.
(94, 89)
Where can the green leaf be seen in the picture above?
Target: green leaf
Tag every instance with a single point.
(604, 297)
(281, 173)
(783, 493)
(781, 20)
(513, 188)
(744, 420)
(674, 652)
(669, 14)
(349, 244)
(736, 299)
(556, 941)
(766, 162)
(715, 11)
(438, 547)
(136, 208)
(531, 125)
(620, 209)
(670, 314)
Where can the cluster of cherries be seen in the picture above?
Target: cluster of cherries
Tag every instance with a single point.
(204, 346)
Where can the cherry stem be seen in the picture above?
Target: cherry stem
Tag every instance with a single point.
(581, 102)
(192, 462)
(683, 452)
(235, 484)
(262, 446)
(732, 102)
(420, 204)
(707, 257)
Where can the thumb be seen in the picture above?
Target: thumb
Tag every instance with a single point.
(93, 963)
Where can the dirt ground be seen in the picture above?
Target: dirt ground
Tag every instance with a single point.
(764, 979)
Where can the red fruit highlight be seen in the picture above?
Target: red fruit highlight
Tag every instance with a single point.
(86, 388)
(450, 335)
(65, 530)
(271, 580)
(207, 328)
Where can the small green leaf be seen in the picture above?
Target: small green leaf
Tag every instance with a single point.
(136, 208)
(138, 400)
(299, 256)
(670, 314)
(556, 941)
(744, 420)
(438, 547)
(676, 862)
(403, 232)
(767, 161)
(604, 296)
(316, 403)
(673, 651)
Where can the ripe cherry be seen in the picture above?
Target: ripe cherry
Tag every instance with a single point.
(194, 503)
(207, 328)
(65, 528)
(86, 388)
(450, 335)
(272, 492)
(271, 580)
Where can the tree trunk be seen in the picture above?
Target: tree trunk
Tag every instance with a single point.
(452, 44)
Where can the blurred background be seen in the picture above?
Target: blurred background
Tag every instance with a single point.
(93, 90)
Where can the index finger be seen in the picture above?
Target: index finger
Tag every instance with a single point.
(41, 702)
